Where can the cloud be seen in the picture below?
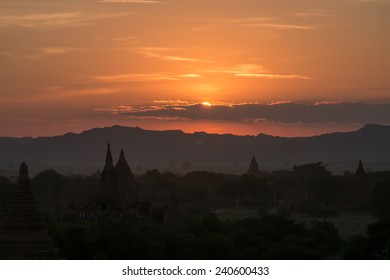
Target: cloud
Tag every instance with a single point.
(143, 111)
(246, 68)
(40, 53)
(131, 1)
(55, 50)
(144, 77)
(21, 56)
(6, 53)
(177, 102)
(273, 76)
(253, 71)
(252, 19)
(161, 53)
(286, 112)
(314, 13)
(368, 1)
(52, 20)
(271, 23)
(60, 92)
(282, 26)
(125, 39)
(134, 78)
(238, 69)
(192, 76)
(241, 71)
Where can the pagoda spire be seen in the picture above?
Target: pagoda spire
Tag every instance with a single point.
(24, 234)
(109, 161)
(253, 167)
(108, 194)
(360, 171)
(124, 174)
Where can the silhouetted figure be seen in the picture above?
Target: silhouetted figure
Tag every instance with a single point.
(107, 197)
(24, 234)
(253, 167)
(124, 175)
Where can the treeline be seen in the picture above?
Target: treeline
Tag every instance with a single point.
(272, 235)
(130, 237)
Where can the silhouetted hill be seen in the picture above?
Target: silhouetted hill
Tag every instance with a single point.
(170, 149)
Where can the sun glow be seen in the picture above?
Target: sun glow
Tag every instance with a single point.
(208, 104)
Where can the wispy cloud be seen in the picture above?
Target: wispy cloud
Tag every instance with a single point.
(245, 68)
(143, 77)
(252, 20)
(253, 71)
(40, 53)
(116, 110)
(4, 53)
(176, 102)
(55, 50)
(125, 39)
(314, 13)
(282, 26)
(52, 20)
(132, 111)
(273, 76)
(60, 92)
(271, 23)
(368, 1)
(133, 78)
(162, 53)
(131, 1)
(286, 112)
(191, 76)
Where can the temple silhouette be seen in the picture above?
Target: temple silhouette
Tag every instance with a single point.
(116, 193)
(253, 167)
(357, 190)
(125, 177)
(108, 196)
(24, 234)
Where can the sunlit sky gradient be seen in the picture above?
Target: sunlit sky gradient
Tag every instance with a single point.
(73, 65)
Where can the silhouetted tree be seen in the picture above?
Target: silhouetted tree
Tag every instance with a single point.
(381, 199)
(311, 170)
(374, 246)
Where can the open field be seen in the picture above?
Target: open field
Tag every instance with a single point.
(348, 224)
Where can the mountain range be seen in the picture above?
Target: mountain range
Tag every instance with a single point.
(181, 152)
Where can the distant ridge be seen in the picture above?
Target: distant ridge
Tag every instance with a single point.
(169, 149)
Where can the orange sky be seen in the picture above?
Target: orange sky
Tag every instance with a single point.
(64, 64)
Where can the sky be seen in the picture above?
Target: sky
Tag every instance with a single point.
(281, 67)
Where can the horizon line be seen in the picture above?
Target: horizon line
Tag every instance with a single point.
(184, 132)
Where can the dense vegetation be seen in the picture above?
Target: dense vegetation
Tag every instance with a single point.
(272, 233)
(129, 237)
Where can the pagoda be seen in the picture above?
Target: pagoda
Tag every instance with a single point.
(360, 172)
(253, 168)
(24, 234)
(107, 197)
(356, 193)
(125, 177)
